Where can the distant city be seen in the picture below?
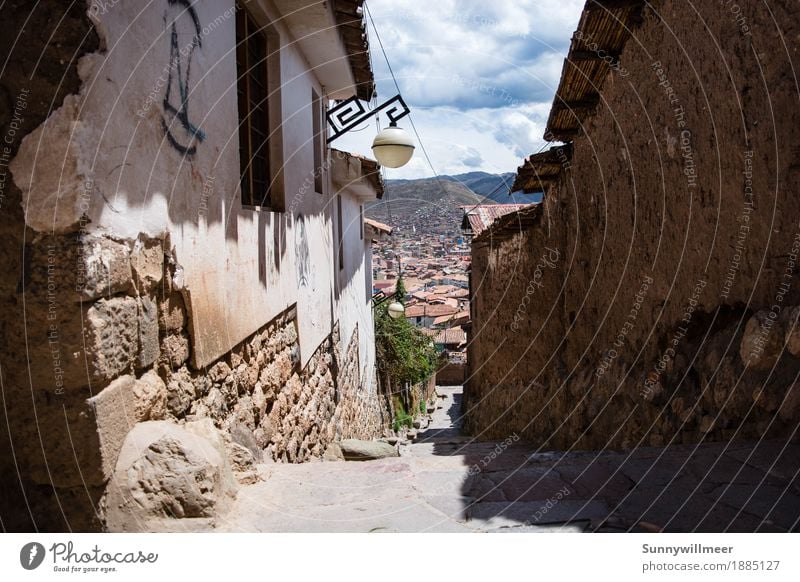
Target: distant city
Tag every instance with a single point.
(431, 252)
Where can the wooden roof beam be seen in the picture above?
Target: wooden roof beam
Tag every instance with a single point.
(598, 55)
(614, 4)
(562, 133)
(589, 102)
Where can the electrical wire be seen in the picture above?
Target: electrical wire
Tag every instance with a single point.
(397, 86)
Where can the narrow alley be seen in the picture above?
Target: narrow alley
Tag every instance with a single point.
(446, 482)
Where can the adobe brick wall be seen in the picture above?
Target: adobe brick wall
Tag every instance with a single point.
(674, 224)
(109, 343)
(451, 374)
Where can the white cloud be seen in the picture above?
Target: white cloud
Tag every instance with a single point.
(479, 77)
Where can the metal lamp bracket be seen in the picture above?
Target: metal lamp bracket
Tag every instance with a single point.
(351, 112)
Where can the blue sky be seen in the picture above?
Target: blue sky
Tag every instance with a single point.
(478, 76)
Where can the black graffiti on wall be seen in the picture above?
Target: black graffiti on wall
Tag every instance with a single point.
(184, 28)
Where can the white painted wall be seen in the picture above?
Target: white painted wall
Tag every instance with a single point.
(105, 153)
(354, 307)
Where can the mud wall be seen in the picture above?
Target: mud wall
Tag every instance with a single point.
(651, 303)
(451, 374)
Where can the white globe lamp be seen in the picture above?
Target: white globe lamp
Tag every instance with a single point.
(393, 147)
(396, 310)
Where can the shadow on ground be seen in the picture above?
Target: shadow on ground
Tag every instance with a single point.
(713, 487)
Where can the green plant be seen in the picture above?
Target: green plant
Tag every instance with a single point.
(402, 419)
(400, 289)
(423, 408)
(405, 354)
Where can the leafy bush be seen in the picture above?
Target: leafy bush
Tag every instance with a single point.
(402, 419)
(403, 351)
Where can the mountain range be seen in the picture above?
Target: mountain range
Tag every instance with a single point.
(435, 203)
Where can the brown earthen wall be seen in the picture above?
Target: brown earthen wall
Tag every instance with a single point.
(664, 255)
(451, 374)
(33, 83)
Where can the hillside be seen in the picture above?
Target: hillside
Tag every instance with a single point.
(494, 187)
(428, 205)
(433, 205)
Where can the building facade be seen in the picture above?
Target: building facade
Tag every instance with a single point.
(649, 299)
(183, 246)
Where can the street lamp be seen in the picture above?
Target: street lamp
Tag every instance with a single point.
(393, 147)
(396, 310)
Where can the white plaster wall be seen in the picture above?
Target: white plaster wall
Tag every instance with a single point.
(105, 153)
(353, 306)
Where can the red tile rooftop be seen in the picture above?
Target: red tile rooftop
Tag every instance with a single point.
(443, 289)
(453, 336)
(479, 218)
(427, 310)
(378, 226)
(439, 310)
(443, 319)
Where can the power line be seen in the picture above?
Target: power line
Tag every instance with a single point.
(397, 86)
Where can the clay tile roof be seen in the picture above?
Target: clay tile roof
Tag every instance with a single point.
(442, 319)
(415, 310)
(603, 30)
(510, 224)
(479, 218)
(353, 31)
(439, 310)
(453, 336)
(370, 170)
(379, 226)
(443, 289)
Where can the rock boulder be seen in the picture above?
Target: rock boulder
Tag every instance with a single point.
(358, 450)
(167, 472)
